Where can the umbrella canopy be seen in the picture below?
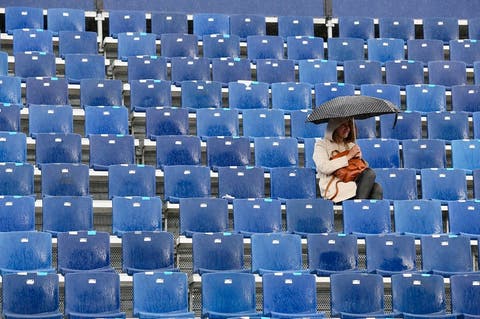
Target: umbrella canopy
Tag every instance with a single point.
(351, 106)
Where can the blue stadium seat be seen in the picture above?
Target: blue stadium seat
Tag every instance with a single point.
(419, 295)
(241, 182)
(190, 69)
(65, 179)
(17, 179)
(217, 252)
(147, 251)
(447, 73)
(288, 295)
(476, 183)
(178, 150)
(402, 73)
(210, 23)
(106, 120)
(366, 128)
(301, 129)
(17, 213)
(317, 71)
(424, 153)
(272, 152)
(203, 215)
(131, 180)
(46, 91)
(50, 119)
(217, 122)
(201, 94)
(225, 295)
(80, 66)
(58, 148)
(441, 28)
(106, 150)
(32, 40)
(92, 295)
(408, 126)
(292, 182)
(444, 184)
(474, 28)
(147, 93)
(18, 17)
(9, 117)
(165, 121)
(389, 92)
(418, 217)
(179, 45)
(397, 27)
(226, 70)
(248, 95)
(332, 253)
(476, 125)
(356, 27)
(25, 251)
(328, 91)
(276, 252)
(390, 254)
(263, 123)
(172, 286)
(83, 251)
(257, 215)
(466, 50)
(120, 21)
(398, 183)
(464, 291)
(447, 126)
(34, 64)
(168, 22)
(245, 25)
(356, 294)
(66, 213)
(142, 68)
(295, 25)
(182, 181)
(265, 47)
(100, 92)
(136, 213)
(385, 49)
(305, 47)
(77, 42)
(306, 216)
(291, 96)
(10, 89)
(380, 152)
(135, 44)
(466, 98)
(365, 217)
(463, 218)
(358, 72)
(3, 63)
(425, 98)
(273, 70)
(344, 49)
(221, 46)
(13, 147)
(425, 50)
(65, 19)
(446, 255)
(466, 154)
(228, 151)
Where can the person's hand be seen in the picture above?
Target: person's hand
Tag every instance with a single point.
(354, 152)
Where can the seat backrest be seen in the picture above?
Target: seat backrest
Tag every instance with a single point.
(34, 64)
(136, 44)
(397, 28)
(241, 182)
(380, 153)
(150, 67)
(476, 183)
(77, 42)
(447, 73)
(166, 121)
(465, 291)
(465, 154)
(10, 89)
(228, 151)
(263, 123)
(465, 50)
(182, 181)
(37, 40)
(147, 93)
(120, 21)
(17, 179)
(275, 70)
(217, 122)
(327, 91)
(58, 148)
(201, 94)
(444, 184)
(10, 117)
(398, 183)
(425, 50)
(210, 23)
(248, 95)
(309, 216)
(448, 125)
(80, 66)
(13, 147)
(358, 72)
(362, 217)
(290, 96)
(305, 47)
(63, 19)
(100, 92)
(301, 129)
(463, 217)
(65, 179)
(50, 119)
(406, 72)
(424, 153)
(226, 70)
(356, 27)
(385, 49)
(136, 213)
(203, 215)
(343, 49)
(178, 150)
(265, 47)
(256, 215)
(317, 71)
(179, 45)
(106, 120)
(67, 213)
(245, 25)
(408, 126)
(295, 25)
(106, 150)
(465, 98)
(23, 18)
(168, 22)
(271, 152)
(46, 90)
(221, 46)
(17, 213)
(441, 28)
(418, 217)
(131, 180)
(288, 183)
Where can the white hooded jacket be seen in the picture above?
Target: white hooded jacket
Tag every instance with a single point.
(323, 151)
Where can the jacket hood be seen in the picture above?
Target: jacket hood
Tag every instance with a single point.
(332, 125)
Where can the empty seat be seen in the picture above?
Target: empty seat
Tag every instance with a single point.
(106, 120)
(291, 96)
(100, 92)
(466, 50)
(182, 181)
(141, 68)
(210, 23)
(327, 91)
(179, 45)
(426, 98)
(178, 150)
(257, 215)
(476, 183)
(147, 93)
(440, 28)
(476, 125)
(221, 46)
(402, 73)
(465, 98)
(241, 182)
(264, 47)
(424, 153)
(13, 147)
(131, 180)
(309, 216)
(65, 179)
(10, 117)
(32, 40)
(147, 251)
(66, 213)
(385, 49)
(17, 213)
(343, 49)
(356, 27)
(80, 66)
(65, 19)
(301, 129)
(447, 73)
(77, 42)
(364, 217)
(203, 215)
(46, 90)
(380, 152)
(464, 293)
(263, 123)
(418, 217)
(217, 122)
(273, 70)
(228, 151)
(305, 47)
(288, 183)
(106, 150)
(389, 92)
(448, 126)
(34, 64)
(135, 43)
(397, 27)
(295, 25)
(398, 183)
(408, 126)
(358, 72)
(444, 184)
(248, 95)
(425, 50)
(10, 89)
(217, 252)
(245, 25)
(83, 251)
(465, 154)
(22, 17)
(120, 21)
(136, 213)
(226, 70)
(168, 22)
(317, 71)
(201, 94)
(474, 28)
(271, 152)
(93, 295)
(50, 119)
(165, 121)
(17, 179)
(462, 218)
(332, 253)
(58, 148)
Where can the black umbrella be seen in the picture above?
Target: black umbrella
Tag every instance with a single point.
(352, 106)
